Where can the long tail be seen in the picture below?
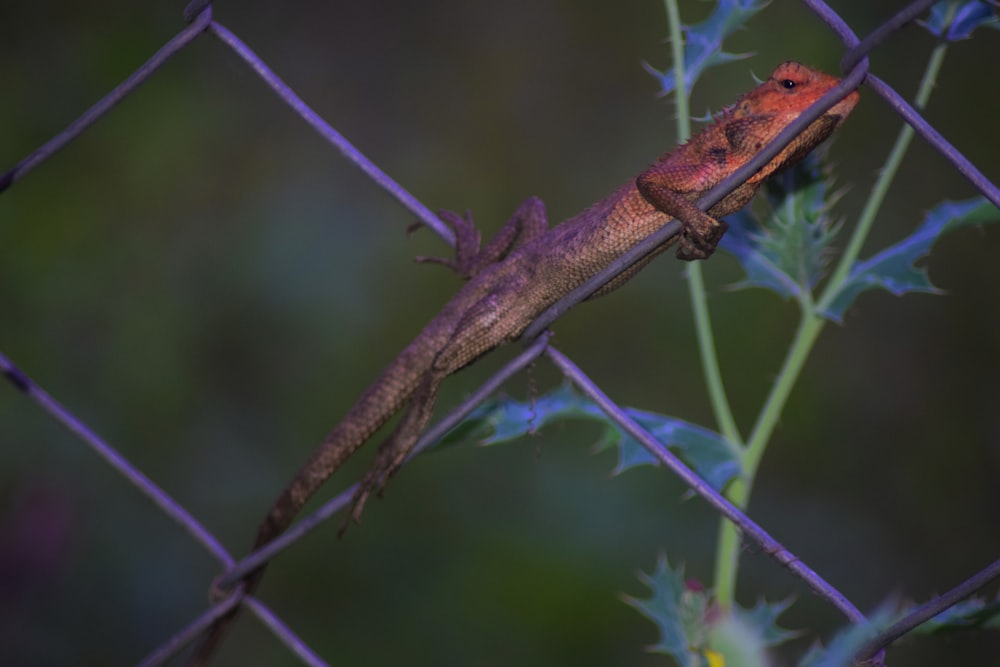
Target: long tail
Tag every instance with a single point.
(375, 407)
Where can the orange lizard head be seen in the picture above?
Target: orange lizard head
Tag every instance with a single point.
(791, 88)
(767, 109)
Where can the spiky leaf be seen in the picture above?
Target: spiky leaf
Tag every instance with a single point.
(742, 637)
(695, 631)
(840, 651)
(764, 619)
(667, 608)
(966, 615)
(894, 269)
(741, 241)
(703, 41)
(504, 419)
(788, 252)
(713, 457)
(968, 16)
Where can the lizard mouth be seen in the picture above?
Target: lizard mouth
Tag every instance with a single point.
(845, 106)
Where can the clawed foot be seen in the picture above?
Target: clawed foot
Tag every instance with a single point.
(374, 482)
(467, 244)
(354, 510)
(694, 246)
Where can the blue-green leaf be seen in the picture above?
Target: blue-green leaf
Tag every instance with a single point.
(764, 619)
(968, 16)
(742, 240)
(894, 269)
(971, 613)
(703, 41)
(742, 637)
(504, 419)
(845, 644)
(707, 452)
(671, 613)
(789, 251)
(692, 627)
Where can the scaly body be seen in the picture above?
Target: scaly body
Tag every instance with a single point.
(527, 268)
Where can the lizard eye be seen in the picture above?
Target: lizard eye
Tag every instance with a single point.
(787, 84)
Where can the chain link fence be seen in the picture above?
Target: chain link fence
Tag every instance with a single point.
(202, 26)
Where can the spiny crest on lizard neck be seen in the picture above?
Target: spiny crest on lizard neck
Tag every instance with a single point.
(784, 90)
(790, 89)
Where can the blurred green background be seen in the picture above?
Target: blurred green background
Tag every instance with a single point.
(209, 286)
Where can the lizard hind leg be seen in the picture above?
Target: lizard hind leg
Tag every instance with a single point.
(396, 448)
(478, 331)
(528, 222)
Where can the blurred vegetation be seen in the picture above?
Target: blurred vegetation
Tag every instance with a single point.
(209, 286)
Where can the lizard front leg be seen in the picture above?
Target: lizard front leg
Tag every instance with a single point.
(702, 232)
(528, 222)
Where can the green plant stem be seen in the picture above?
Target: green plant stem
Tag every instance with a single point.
(895, 159)
(727, 553)
(728, 539)
(696, 283)
(810, 326)
(677, 55)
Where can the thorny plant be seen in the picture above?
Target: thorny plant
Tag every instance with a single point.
(788, 252)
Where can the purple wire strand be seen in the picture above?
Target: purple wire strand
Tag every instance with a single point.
(333, 137)
(168, 649)
(928, 610)
(770, 546)
(879, 34)
(934, 138)
(145, 485)
(262, 556)
(834, 22)
(306, 525)
(900, 105)
(285, 634)
(106, 103)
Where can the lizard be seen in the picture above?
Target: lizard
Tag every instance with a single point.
(527, 267)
